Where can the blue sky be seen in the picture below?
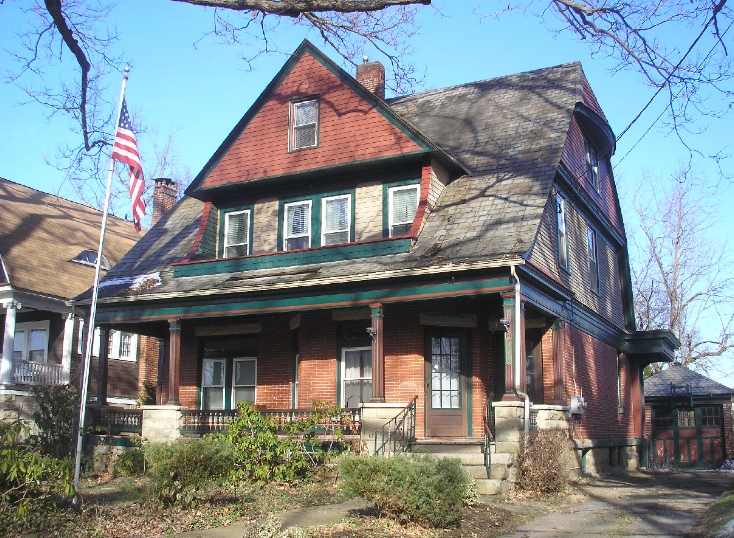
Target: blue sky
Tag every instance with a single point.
(200, 91)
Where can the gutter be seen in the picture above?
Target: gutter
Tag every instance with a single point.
(518, 350)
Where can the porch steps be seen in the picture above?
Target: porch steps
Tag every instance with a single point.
(471, 454)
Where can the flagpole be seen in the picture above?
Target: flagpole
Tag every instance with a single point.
(93, 310)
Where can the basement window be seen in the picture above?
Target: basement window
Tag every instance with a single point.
(304, 124)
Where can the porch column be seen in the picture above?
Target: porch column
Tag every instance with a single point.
(378, 355)
(174, 360)
(67, 346)
(159, 374)
(508, 307)
(6, 366)
(102, 359)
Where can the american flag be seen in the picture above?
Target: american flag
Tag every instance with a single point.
(125, 150)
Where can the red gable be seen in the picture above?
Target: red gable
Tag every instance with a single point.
(351, 129)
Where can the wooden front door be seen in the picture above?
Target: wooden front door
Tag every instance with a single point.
(447, 378)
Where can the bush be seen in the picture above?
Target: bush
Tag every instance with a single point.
(29, 480)
(58, 409)
(181, 467)
(543, 461)
(417, 488)
(131, 463)
(258, 452)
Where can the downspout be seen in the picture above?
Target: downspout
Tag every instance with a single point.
(518, 350)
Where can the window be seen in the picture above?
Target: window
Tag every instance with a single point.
(592, 164)
(402, 204)
(686, 418)
(120, 345)
(89, 257)
(593, 262)
(562, 232)
(304, 121)
(236, 233)
(297, 225)
(212, 385)
(662, 418)
(356, 376)
(31, 341)
(710, 416)
(336, 219)
(244, 380)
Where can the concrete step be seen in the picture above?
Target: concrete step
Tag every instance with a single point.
(499, 471)
(449, 446)
(489, 486)
(464, 458)
(477, 471)
(503, 457)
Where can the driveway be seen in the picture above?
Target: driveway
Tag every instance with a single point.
(663, 504)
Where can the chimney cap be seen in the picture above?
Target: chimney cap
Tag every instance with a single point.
(163, 180)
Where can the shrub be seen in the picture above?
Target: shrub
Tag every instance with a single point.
(543, 461)
(29, 480)
(130, 463)
(258, 452)
(181, 467)
(58, 408)
(147, 396)
(417, 488)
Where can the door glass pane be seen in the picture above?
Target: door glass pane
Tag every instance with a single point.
(357, 379)
(445, 373)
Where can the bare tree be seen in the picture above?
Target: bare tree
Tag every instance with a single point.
(681, 272)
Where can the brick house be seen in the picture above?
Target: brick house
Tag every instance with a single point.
(688, 419)
(48, 249)
(463, 246)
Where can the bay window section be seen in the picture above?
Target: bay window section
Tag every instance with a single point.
(336, 211)
(402, 205)
(297, 225)
(237, 233)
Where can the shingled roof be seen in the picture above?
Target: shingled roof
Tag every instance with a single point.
(701, 386)
(40, 234)
(509, 132)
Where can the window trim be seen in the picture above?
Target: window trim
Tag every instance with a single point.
(343, 371)
(350, 218)
(284, 221)
(591, 160)
(27, 327)
(592, 248)
(292, 123)
(563, 243)
(225, 235)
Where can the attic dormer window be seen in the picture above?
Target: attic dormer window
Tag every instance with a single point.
(304, 122)
(89, 257)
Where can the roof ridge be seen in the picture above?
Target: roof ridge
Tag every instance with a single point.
(420, 94)
(64, 199)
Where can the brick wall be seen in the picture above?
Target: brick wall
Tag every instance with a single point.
(544, 256)
(350, 130)
(318, 358)
(148, 350)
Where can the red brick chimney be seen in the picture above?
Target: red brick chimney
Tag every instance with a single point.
(372, 76)
(164, 197)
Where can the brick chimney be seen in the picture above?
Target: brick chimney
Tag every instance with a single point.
(372, 76)
(164, 197)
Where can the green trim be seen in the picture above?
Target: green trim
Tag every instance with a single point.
(386, 294)
(386, 200)
(221, 224)
(294, 258)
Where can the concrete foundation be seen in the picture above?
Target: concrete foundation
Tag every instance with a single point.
(162, 423)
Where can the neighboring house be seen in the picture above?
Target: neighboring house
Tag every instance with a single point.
(343, 247)
(48, 248)
(688, 419)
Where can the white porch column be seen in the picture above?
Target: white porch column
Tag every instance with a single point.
(67, 347)
(6, 366)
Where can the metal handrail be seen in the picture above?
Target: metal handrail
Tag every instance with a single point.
(488, 420)
(400, 431)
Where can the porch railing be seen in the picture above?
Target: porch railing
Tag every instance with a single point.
(114, 421)
(533, 421)
(201, 422)
(398, 432)
(39, 373)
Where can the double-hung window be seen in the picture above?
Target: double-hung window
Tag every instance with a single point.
(356, 376)
(563, 258)
(297, 225)
(402, 205)
(237, 233)
(30, 341)
(335, 211)
(304, 124)
(593, 261)
(592, 164)
(228, 381)
(244, 380)
(212, 385)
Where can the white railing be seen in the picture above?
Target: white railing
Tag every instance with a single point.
(39, 373)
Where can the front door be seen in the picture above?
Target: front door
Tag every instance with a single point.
(447, 377)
